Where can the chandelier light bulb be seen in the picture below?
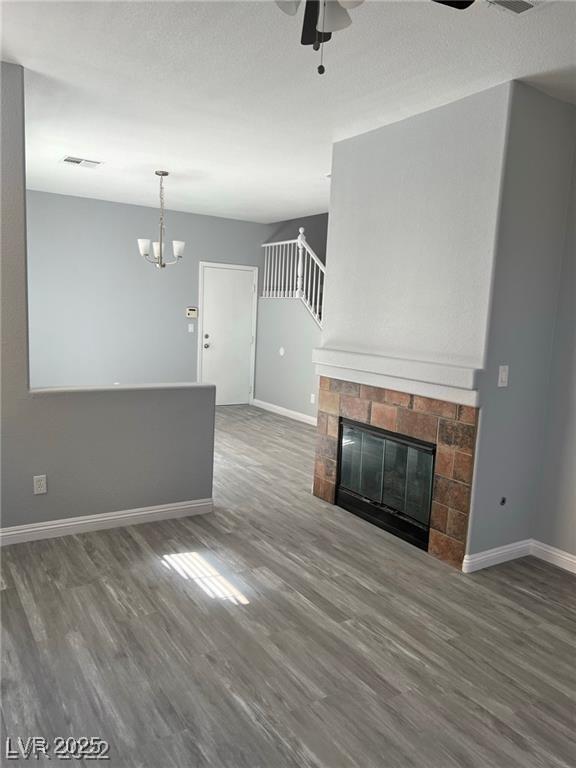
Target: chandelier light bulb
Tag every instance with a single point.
(144, 247)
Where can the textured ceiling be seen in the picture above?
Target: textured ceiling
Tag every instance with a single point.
(223, 95)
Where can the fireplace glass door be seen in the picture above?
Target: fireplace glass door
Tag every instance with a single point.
(387, 472)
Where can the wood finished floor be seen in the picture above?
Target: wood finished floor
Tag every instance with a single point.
(333, 645)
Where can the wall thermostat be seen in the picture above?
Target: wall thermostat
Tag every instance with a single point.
(192, 312)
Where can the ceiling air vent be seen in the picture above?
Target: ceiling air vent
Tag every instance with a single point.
(514, 6)
(82, 161)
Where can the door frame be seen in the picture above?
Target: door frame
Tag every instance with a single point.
(242, 267)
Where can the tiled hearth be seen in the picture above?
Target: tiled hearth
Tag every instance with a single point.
(450, 426)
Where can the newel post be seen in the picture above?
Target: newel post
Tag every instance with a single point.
(300, 272)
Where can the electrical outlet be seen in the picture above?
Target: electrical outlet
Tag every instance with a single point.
(40, 485)
(313, 398)
(503, 376)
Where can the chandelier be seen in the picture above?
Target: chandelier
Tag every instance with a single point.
(158, 252)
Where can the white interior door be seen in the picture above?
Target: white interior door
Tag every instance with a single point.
(227, 330)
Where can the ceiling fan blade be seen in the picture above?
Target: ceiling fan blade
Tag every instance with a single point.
(310, 35)
(350, 4)
(289, 7)
(460, 5)
(333, 17)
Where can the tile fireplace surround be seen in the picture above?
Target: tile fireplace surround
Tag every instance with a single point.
(450, 426)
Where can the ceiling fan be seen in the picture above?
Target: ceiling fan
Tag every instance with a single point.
(323, 17)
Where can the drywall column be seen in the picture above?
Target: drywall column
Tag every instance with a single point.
(556, 510)
(411, 233)
(511, 455)
(103, 451)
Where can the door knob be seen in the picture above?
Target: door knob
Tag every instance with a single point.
(206, 346)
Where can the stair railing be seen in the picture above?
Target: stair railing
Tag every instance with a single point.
(293, 271)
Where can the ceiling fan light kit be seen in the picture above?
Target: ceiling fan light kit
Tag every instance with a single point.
(333, 17)
(290, 7)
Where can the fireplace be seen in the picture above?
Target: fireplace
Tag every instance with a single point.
(442, 433)
(386, 478)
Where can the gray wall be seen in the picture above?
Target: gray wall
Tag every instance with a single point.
(556, 511)
(316, 232)
(512, 458)
(98, 313)
(102, 451)
(411, 233)
(290, 380)
(286, 381)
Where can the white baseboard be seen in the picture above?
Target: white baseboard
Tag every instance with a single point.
(284, 412)
(555, 556)
(67, 526)
(519, 549)
(496, 556)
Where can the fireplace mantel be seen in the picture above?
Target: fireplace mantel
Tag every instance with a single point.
(457, 384)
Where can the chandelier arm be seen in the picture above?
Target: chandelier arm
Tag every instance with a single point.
(151, 261)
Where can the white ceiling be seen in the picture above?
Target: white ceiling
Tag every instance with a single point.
(223, 95)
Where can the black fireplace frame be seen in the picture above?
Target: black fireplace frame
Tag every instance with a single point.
(383, 516)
